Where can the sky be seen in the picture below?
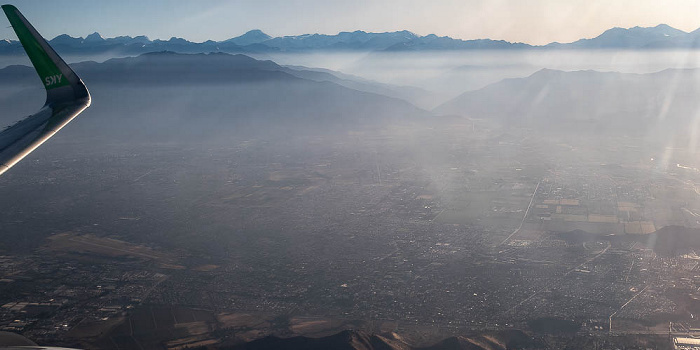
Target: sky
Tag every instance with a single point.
(529, 21)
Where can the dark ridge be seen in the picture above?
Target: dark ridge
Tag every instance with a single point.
(17, 74)
(669, 241)
(672, 241)
(585, 102)
(11, 339)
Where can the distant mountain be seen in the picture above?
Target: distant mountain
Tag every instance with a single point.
(67, 40)
(587, 99)
(94, 38)
(127, 45)
(661, 36)
(126, 40)
(357, 40)
(251, 37)
(433, 42)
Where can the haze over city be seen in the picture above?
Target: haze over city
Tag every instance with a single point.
(525, 178)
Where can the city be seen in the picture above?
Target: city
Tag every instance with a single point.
(364, 233)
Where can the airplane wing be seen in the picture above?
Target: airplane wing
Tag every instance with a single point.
(66, 95)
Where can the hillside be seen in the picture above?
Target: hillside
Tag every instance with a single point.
(658, 37)
(671, 241)
(602, 101)
(180, 95)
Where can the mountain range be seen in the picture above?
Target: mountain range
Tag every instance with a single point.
(180, 96)
(239, 89)
(256, 41)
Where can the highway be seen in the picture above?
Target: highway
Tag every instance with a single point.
(532, 200)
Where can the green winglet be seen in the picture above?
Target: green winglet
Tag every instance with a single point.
(66, 95)
(51, 76)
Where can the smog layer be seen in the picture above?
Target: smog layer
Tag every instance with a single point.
(515, 198)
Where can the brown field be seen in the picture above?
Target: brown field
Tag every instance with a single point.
(171, 267)
(205, 268)
(628, 206)
(639, 227)
(569, 202)
(603, 218)
(569, 217)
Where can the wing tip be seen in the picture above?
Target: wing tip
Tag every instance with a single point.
(59, 80)
(8, 7)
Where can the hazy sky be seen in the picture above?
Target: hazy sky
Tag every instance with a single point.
(530, 21)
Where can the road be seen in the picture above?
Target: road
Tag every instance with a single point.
(532, 200)
(623, 306)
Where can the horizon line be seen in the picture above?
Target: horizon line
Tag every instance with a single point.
(358, 30)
